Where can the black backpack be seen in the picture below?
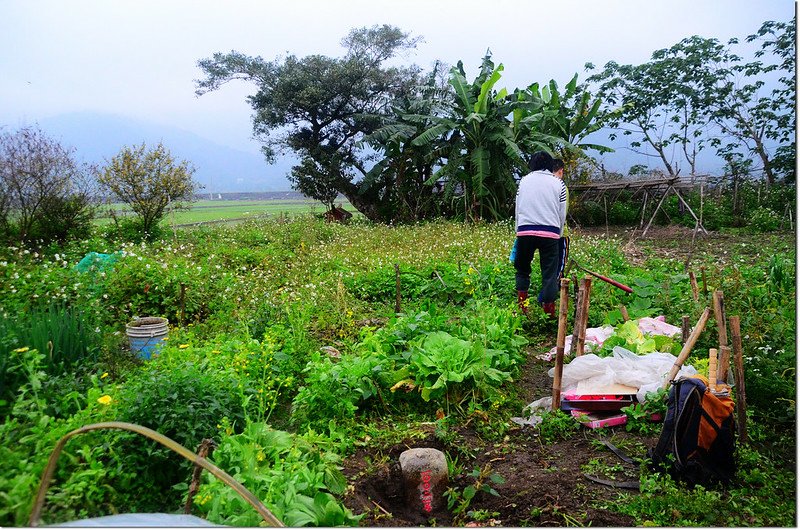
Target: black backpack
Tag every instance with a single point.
(698, 438)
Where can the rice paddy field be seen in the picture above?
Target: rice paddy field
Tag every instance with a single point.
(230, 210)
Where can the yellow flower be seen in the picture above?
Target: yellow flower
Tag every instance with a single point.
(105, 374)
(261, 456)
(22, 350)
(183, 346)
(104, 400)
(215, 351)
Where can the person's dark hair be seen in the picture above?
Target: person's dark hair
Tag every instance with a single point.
(557, 164)
(540, 160)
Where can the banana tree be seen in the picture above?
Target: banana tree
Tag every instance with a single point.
(405, 167)
(482, 152)
(562, 120)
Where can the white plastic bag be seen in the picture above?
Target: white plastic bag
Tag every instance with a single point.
(647, 373)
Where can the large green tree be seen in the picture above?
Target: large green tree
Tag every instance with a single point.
(700, 92)
(320, 108)
(659, 112)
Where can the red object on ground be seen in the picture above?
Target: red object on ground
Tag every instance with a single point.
(606, 279)
(594, 420)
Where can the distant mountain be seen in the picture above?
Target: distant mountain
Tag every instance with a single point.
(97, 136)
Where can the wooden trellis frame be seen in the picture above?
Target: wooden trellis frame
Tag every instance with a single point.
(650, 188)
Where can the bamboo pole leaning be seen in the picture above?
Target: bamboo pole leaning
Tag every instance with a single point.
(687, 346)
(560, 338)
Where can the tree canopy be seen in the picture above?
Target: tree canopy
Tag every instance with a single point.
(151, 181)
(321, 107)
(700, 92)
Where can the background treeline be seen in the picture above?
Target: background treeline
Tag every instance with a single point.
(403, 144)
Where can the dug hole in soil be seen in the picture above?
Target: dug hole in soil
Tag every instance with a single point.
(544, 483)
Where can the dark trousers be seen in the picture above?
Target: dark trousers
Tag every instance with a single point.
(550, 255)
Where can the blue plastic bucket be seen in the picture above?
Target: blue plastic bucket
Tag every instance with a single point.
(147, 335)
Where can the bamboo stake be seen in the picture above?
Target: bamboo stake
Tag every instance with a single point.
(183, 303)
(587, 295)
(712, 369)
(562, 327)
(687, 346)
(705, 285)
(685, 329)
(624, 311)
(575, 288)
(738, 362)
(397, 288)
(719, 313)
(693, 280)
(724, 364)
(581, 293)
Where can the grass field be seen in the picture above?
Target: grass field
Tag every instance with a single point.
(220, 210)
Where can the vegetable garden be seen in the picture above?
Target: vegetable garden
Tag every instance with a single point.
(290, 348)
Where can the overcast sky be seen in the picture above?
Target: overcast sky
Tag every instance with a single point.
(138, 58)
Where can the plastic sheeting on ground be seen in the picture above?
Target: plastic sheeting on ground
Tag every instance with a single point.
(645, 372)
(139, 520)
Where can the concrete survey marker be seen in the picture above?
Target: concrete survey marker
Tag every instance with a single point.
(424, 477)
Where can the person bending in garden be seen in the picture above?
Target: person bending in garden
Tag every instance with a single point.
(540, 215)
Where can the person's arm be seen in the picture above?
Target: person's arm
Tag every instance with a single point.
(563, 198)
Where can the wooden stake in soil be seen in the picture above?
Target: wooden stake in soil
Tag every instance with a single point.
(695, 290)
(687, 347)
(705, 285)
(203, 450)
(397, 288)
(685, 329)
(724, 364)
(719, 313)
(575, 289)
(183, 303)
(560, 338)
(624, 311)
(584, 312)
(738, 373)
(580, 294)
(712, 369)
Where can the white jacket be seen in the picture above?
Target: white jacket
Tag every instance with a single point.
(541, 205)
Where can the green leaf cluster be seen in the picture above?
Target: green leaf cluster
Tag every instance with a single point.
(295, 478)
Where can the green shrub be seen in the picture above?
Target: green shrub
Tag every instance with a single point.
(183, 403)
(131, 228)
(764, 220)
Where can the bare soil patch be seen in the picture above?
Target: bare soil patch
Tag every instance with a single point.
(544, 483)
